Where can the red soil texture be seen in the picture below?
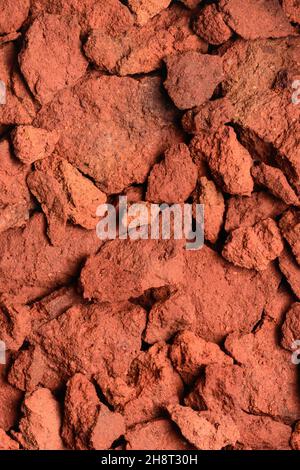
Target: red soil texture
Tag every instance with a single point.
(142, 344)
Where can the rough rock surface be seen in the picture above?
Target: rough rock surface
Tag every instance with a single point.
(6, 443)
(291, 271)
(143, 10)
(214, 207)
(292, 10)
(210, 26)
(88, 423)
(254, 247)
(253, 19)
(173, 180)
(295, 439)
(290, 228)
(31, 144)
(13, 14)
(43, 41)
(192, 78)
(210, 116)
(291, 327)
(124, 157)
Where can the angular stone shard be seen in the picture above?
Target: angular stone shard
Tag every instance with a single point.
(15, 322)
(192, 78)
(159, 434)
(88, 424)
(39, 428)
(15, 200)
(214, 207)
(210, 25)
(248, 211)
(94, 137)
(143, 10)
(292, 10)
(142, 49)
(190, 354)
(6, 442)
(31, 143)
(47, 71)
(13, 14)
(173, 180)
(209, 117)
(295, 439)
(205, 430)
(275, 181)
(291, 327)
(253, 19)
(10, 400)
(254, 247)
(290, 228)
(65, 195)
(291, 270)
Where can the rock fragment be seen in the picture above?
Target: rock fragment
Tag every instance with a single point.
(39, 428)
(47, 35)
(31, 143)
(65, 195)
(205, 430)
(10, 400)
(88, 423)
(291, 270)
(290, 228)
(254, 247)
(146, 9)
(6, 442)
(173, 180)
(214, 208)
(210, 116)
(210, 25)
(291, 327)
(275, 181)
(292, 10)
(192, 78)
(253, 19)
(13, 15)
(295, 439)
(189, 354)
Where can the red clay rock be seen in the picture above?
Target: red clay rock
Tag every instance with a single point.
(47, 35)
(205, 430)
(143, 10)
(169, 316)
(254, 247)
(292, 10)
(124, 158)
(6, 443)
(26, 372)
(88, 423)
(30, 267)
(31, 143)
(192, 78)
(288, 156)
(156, 385)
(291, 327)
(173, 180)
(248, 211)
(65, 195)
(214, 208)
(15, 324)
(19, 108)
(159, 434)
(39, 428)
(142, 49)
(253, 19)
(228, 160)
(190, 354)
(10, 399)
(210, 26)
(13, 14)
(15, 201)
(191, 3)
(211, 115)
(275, 181)
(291, 271)
(289, 225)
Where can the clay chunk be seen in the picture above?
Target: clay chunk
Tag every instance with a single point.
(39, 428)
(253, 19)
(205, 430)
(210, 25)
(292, 10)
(189, 354)
(214, 208)
(143, 10)
(48, 35)
(13, 15)
(65, 195)
(291, 327)
(192, 78)
(290, 228)
(254, 247)
(173, 180)
(291, 270)
(6, 442)
(31, 143)
(295, 439)
(88, 423)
